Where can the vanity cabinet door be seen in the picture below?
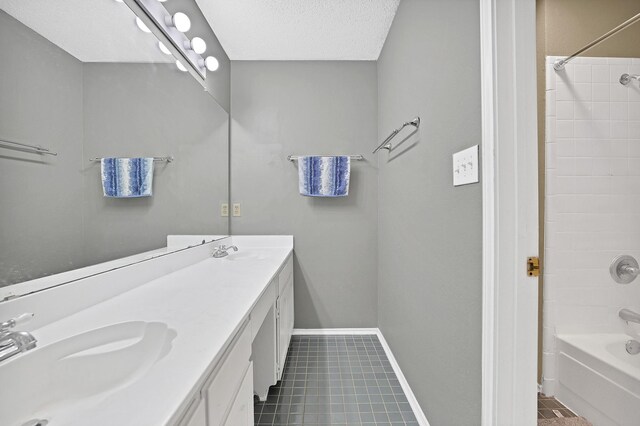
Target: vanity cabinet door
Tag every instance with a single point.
(241, 413)
(221, 388)
(285, 323)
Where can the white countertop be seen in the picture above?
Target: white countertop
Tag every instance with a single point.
(204, 304)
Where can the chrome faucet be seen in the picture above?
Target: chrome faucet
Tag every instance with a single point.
(222, 251)
(15, 342)
(629, 316)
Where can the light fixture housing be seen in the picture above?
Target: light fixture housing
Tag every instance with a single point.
(143, 27)
(211, 63)
(180, 21)
(196, 44)
(180, 66)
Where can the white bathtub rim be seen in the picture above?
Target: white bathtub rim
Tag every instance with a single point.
(588, 348)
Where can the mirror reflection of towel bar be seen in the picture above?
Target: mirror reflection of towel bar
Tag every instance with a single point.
(165, 159)
(26, 147)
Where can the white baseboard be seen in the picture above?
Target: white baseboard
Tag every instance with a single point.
(415, 406)
(334, 331)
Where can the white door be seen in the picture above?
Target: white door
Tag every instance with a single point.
(510, 212)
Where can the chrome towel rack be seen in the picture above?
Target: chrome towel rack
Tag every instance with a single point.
(24, 147)
(160, 159)
(386, 144)
(357, 157)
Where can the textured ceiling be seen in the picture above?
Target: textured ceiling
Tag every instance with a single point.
(300, 29)
(90, 30)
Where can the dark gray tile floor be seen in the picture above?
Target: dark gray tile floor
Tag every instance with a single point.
(336, 380)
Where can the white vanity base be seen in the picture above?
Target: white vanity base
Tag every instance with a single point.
(215, 311)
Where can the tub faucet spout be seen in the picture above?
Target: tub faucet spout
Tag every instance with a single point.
(629, 316)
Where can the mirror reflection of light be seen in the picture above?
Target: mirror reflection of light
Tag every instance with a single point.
(163, 48)
(180, 66)
(142, 25)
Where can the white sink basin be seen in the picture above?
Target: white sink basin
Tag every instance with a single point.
(53, 381)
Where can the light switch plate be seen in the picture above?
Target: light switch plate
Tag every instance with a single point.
(465, 166)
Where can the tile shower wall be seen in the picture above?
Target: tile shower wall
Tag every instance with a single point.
(592, 198)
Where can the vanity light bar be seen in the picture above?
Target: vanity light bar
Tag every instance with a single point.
(173, 28)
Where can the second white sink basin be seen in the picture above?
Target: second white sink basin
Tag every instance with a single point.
(53, 381)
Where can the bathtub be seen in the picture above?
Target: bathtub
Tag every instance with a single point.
(598, 379)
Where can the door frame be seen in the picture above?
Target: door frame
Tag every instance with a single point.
(510, 211)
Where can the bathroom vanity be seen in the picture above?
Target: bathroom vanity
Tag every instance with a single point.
(180, 339)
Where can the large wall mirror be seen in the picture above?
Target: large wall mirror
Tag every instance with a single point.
(80, 79)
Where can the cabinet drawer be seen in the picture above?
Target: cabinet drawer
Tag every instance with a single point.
(286, 274)
(226, 380)
(241, 413)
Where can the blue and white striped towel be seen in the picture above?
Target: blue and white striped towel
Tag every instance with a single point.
(324, 176)
(127, 177)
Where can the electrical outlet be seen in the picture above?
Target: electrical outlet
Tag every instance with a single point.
(236, 209)
(465, 166)
(224, 209)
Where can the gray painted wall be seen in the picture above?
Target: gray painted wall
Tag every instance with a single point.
(53, 216)
(152, 110)
(282, 108)
(41, 214)
(430, 233)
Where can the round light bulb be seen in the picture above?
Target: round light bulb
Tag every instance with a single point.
(211, 63)
(180, 66)
(180, 21)
(163, 48)
(198, 45)
(142, 25)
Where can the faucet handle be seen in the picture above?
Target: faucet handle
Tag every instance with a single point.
(19, 320)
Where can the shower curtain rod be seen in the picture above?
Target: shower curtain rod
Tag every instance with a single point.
(560, 63)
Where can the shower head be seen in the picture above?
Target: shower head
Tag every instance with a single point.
(625, 79)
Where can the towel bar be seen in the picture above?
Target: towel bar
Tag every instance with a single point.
(165, 159)
(386, 144)
(353, 157)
